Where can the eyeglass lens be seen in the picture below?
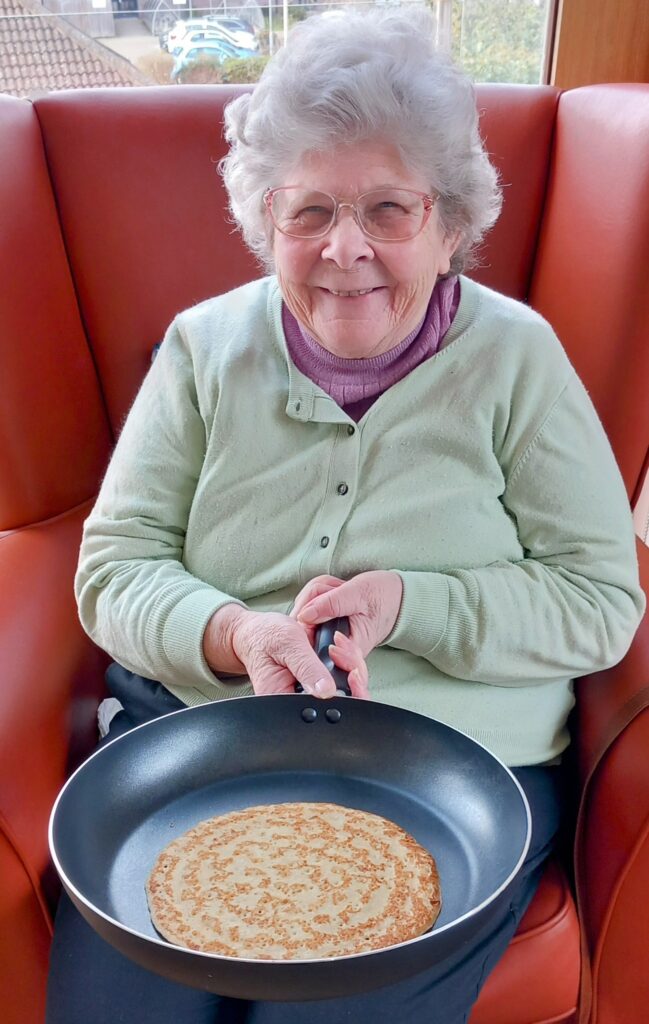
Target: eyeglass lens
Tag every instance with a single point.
(383, 213)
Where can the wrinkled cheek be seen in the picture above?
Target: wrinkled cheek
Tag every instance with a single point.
(298, 297)
(404, 301)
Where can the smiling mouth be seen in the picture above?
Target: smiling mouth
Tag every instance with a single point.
(351, 294)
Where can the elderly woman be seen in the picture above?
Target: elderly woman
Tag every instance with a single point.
(362, 433)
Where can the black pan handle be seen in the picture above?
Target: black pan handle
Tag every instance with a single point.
(323, 637)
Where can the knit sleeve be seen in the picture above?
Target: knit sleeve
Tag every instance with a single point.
(572, 604)
(136, 600)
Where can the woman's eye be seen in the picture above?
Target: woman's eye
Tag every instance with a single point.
(386, 208)
(319, 211)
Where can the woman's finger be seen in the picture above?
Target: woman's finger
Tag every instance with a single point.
(337, 601)
(306, 597)
(346, 655)
(271, 679)
(307, 669)
(276, 652)
(359, 685)
(317, 586)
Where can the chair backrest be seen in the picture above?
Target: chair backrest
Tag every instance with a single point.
(144, 216)
(143, 209)
(113, 220)
(143, 223)
(591, 273)
(54, 440)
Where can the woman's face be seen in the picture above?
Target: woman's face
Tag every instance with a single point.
(316, 275)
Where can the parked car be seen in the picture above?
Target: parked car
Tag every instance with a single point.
(210, 48)
(242, 32)
(230, 29)
(172, 39)
(209, 34)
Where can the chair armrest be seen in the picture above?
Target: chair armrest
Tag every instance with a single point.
(50, 678)
(606, 698)
(613, 834)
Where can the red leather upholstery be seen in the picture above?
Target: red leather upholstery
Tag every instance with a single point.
(541, 958)
(25, 936)
(517, 123)
(49, 464)
(128, 229)
(590, 277)
(616, 857)
(151, 238)
(51, 677)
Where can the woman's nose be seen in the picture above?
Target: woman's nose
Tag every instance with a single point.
(346, 242)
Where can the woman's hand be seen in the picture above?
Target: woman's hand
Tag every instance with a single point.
(275, 652)
(371, 601)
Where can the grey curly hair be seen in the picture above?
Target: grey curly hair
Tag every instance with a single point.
(352, 78)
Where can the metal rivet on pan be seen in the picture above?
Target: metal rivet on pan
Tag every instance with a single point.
(309, 714)
(333, 715)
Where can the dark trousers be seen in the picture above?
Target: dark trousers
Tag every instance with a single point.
(91, 983)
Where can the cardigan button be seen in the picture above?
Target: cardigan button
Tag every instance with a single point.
(351, 430)
(324, 542)
(342, 488)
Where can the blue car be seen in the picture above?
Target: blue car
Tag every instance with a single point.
(207, 47)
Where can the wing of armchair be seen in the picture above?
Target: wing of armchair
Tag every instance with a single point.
(612, 832)
(589, 281)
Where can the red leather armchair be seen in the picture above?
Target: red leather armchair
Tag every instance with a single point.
(112, 221)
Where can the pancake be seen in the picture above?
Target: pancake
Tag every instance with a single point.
(293, 881)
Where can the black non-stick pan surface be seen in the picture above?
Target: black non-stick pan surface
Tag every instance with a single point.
(142, 790)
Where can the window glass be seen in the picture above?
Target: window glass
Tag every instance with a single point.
(500, 40)
(63, 44)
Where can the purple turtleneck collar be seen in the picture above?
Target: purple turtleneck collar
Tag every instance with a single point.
(355, 384)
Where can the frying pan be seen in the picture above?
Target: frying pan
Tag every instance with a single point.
(140, 791)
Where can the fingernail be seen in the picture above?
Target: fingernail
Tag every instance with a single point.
(307, 615)
(324, 688)
(340, 637)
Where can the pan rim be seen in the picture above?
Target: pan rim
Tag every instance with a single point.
(219, 957)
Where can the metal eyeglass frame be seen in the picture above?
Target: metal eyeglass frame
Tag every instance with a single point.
(428, 200)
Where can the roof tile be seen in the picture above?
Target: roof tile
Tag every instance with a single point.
(41, 52)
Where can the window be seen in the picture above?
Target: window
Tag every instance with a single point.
(79, 43)
(500, 40)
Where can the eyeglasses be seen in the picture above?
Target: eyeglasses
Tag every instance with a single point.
(383, 214)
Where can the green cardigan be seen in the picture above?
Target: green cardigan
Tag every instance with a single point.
(484, 477)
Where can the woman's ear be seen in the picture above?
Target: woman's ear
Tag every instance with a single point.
(450, 244)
